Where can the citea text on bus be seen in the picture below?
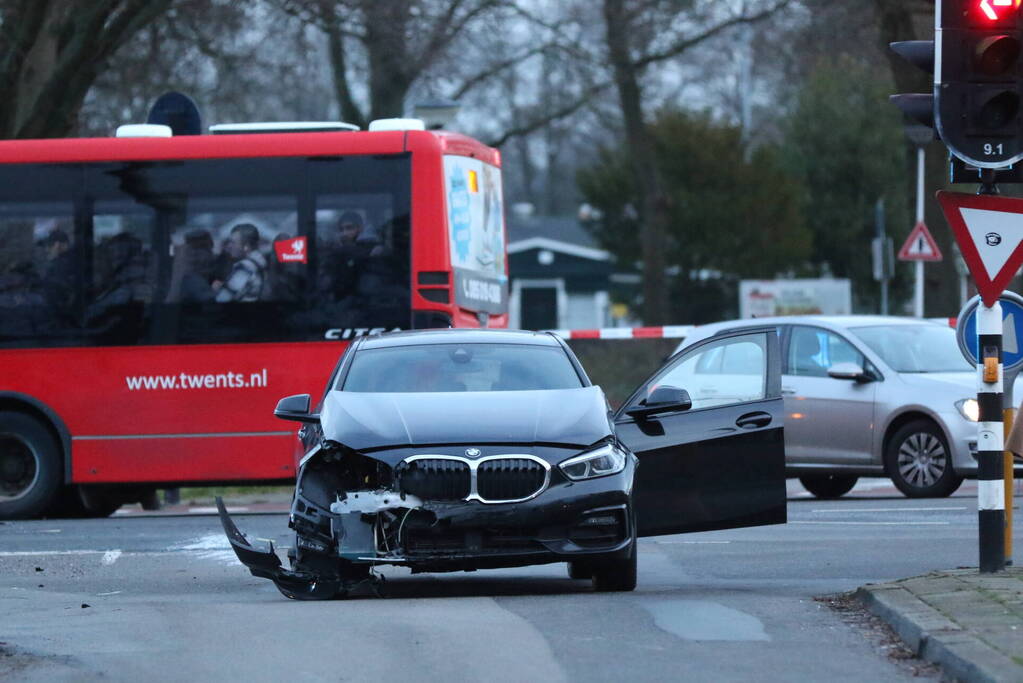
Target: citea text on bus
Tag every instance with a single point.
(353, 332)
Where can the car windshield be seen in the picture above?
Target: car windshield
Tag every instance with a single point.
(915, 348)
(461, 367)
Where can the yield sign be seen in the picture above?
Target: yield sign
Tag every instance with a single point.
(920, 246)
(989, 231)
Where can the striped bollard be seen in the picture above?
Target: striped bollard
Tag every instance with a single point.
(990, 440)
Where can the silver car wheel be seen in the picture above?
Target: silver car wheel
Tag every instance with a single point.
(922, 459)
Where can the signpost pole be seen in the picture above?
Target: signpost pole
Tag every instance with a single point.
(918, 293)
(990, 440)
(1009, 416)
(882, 241)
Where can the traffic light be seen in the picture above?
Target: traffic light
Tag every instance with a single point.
(916, 106)
(977, 80)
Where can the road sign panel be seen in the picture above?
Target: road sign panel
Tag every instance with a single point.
(920, 246)
(1012, 330)
(989, 232)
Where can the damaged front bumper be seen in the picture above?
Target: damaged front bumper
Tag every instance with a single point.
(264, 563)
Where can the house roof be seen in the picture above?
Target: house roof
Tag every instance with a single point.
(560, 228)
(556, 233)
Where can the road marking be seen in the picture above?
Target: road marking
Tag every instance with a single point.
(31, 553)
(692, 542)
(963, 507)
(874, 523)
(109, 593)
(210, 510)
(110, 556)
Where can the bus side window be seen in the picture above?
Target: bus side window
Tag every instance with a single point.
(39, 273)
(124, 273)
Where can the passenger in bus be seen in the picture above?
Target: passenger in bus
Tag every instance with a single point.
(248, 270)
(60, 276)
(192, 274)
(346, 261)
(122, 273)
(22, 304)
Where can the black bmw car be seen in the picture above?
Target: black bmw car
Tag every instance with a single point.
(448, 450)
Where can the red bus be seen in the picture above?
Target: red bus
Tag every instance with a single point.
(158, 295)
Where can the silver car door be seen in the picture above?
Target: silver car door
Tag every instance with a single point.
(828, 420)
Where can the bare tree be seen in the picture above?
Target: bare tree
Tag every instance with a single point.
(238, 61)
(393, 42)
(52, 51)
(636, 40)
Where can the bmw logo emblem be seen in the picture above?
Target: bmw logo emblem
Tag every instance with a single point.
(472, 452)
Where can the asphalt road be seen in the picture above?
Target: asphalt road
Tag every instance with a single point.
(163, 598)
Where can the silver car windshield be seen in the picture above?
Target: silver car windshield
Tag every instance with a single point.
(915, 348)
(461, 367)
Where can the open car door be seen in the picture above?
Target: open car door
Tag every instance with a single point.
(708, 431)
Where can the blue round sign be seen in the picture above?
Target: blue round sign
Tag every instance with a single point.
(1012, 330)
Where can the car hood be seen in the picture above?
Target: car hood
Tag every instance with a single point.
(571, 417)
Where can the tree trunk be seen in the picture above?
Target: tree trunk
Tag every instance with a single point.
(653, 207)
(385, 40)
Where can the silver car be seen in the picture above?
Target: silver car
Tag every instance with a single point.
(872, 396)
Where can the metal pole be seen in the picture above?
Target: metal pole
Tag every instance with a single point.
(1009, 416)
(879, 225)
(990, 440)
(918, 293)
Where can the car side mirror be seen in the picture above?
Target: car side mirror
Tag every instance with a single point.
(662, 400)
(848, 371)
(295, 408)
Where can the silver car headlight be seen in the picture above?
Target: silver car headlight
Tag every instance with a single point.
(599, 462)
(969, 409)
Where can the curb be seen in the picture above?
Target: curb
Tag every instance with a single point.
(935, 638)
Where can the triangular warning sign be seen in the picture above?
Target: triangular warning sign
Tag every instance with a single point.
(989, 231)
(920, 246)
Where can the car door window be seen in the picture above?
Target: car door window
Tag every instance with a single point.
(732, 370)
(813, 350)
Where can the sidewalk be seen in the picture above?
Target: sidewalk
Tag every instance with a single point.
(970, 624)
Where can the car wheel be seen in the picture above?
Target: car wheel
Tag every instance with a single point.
(579, 570)
(617, 574)
(828, 486)
(919, 461)
(30, 466)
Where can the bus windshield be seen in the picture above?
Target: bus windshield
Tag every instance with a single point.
(203, 251)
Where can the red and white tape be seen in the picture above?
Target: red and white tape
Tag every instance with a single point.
(662, 332)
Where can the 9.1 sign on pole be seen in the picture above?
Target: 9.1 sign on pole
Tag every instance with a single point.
(977, 96)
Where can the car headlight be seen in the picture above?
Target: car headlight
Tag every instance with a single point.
(969, 409)
(607, 459)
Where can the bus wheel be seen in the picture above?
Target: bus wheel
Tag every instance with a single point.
(30, 466)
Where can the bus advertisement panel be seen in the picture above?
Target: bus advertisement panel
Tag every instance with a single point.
(158, 296)
(476, 221)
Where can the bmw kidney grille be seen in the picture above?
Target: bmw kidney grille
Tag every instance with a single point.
(492, 479)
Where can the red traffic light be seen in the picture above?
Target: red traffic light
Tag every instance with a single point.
(996, 10)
